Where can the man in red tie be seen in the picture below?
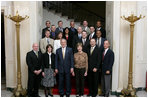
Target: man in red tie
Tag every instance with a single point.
(107, 63)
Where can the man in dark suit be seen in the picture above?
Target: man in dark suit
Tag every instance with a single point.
(34, 62)
(93, 66)
(59, 28)
(53, 33)
(92, 33)
(73, 31)
(107, 63)
(85, 41)
(99, 27)
(77, 38)
(64, 65)
(100, 41)
(47, 28)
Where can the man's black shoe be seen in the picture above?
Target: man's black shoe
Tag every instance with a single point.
(61, 95)
(89, 95)
(67, 95)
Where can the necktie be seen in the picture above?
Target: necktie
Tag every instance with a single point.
(83, 41)
(48, 40)
(90, 37)
(36, 53)
(63, 52)
(91, 51)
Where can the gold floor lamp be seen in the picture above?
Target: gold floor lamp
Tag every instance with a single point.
(130, 91)
(18, 91)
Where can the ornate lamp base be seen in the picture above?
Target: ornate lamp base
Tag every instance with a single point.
(19, 92)
(128, 93)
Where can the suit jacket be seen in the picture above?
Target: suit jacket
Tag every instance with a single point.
(53, 35)
(43, 44)
(108, 61)
(94, 36)
(94, 59)
(64, 65)
(101, 48)
(45, 61)
(69, 41)
(87, 30)
(57, 30)
(43, 31)
(33, 62)
(76, 40)
(73, 32)
(86, 45)
(103, 32)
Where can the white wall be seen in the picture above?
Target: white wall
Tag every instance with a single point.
(29, 33)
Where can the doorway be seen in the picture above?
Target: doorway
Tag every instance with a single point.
(3, 68)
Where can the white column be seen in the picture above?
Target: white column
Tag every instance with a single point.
(113, 35)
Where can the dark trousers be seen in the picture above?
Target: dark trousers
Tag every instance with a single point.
(105, 83)
(79, 73)
(33, 84)
(93, 78)
(61, 83)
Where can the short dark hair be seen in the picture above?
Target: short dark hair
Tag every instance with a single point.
(99, 21)
(98, 30)
(49, 45)
(52, 25)
(60, 21)
(60, 32)
(46, 31)
(92, 26)
(93, 39)
(84, 31)
(47, 21)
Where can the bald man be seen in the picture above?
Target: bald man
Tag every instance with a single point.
(107, 64)
(34, 59)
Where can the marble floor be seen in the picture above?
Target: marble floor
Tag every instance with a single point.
(5, 93)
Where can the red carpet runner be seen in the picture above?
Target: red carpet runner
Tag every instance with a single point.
(55, 90)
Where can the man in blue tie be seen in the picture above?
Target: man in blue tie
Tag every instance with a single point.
(64, 65)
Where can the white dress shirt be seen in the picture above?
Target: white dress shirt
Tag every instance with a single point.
(105, 51)
(84, 41)
(91, 35)
(99, 41)
(49, 57)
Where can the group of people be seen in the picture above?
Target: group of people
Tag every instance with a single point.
(66, 52)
